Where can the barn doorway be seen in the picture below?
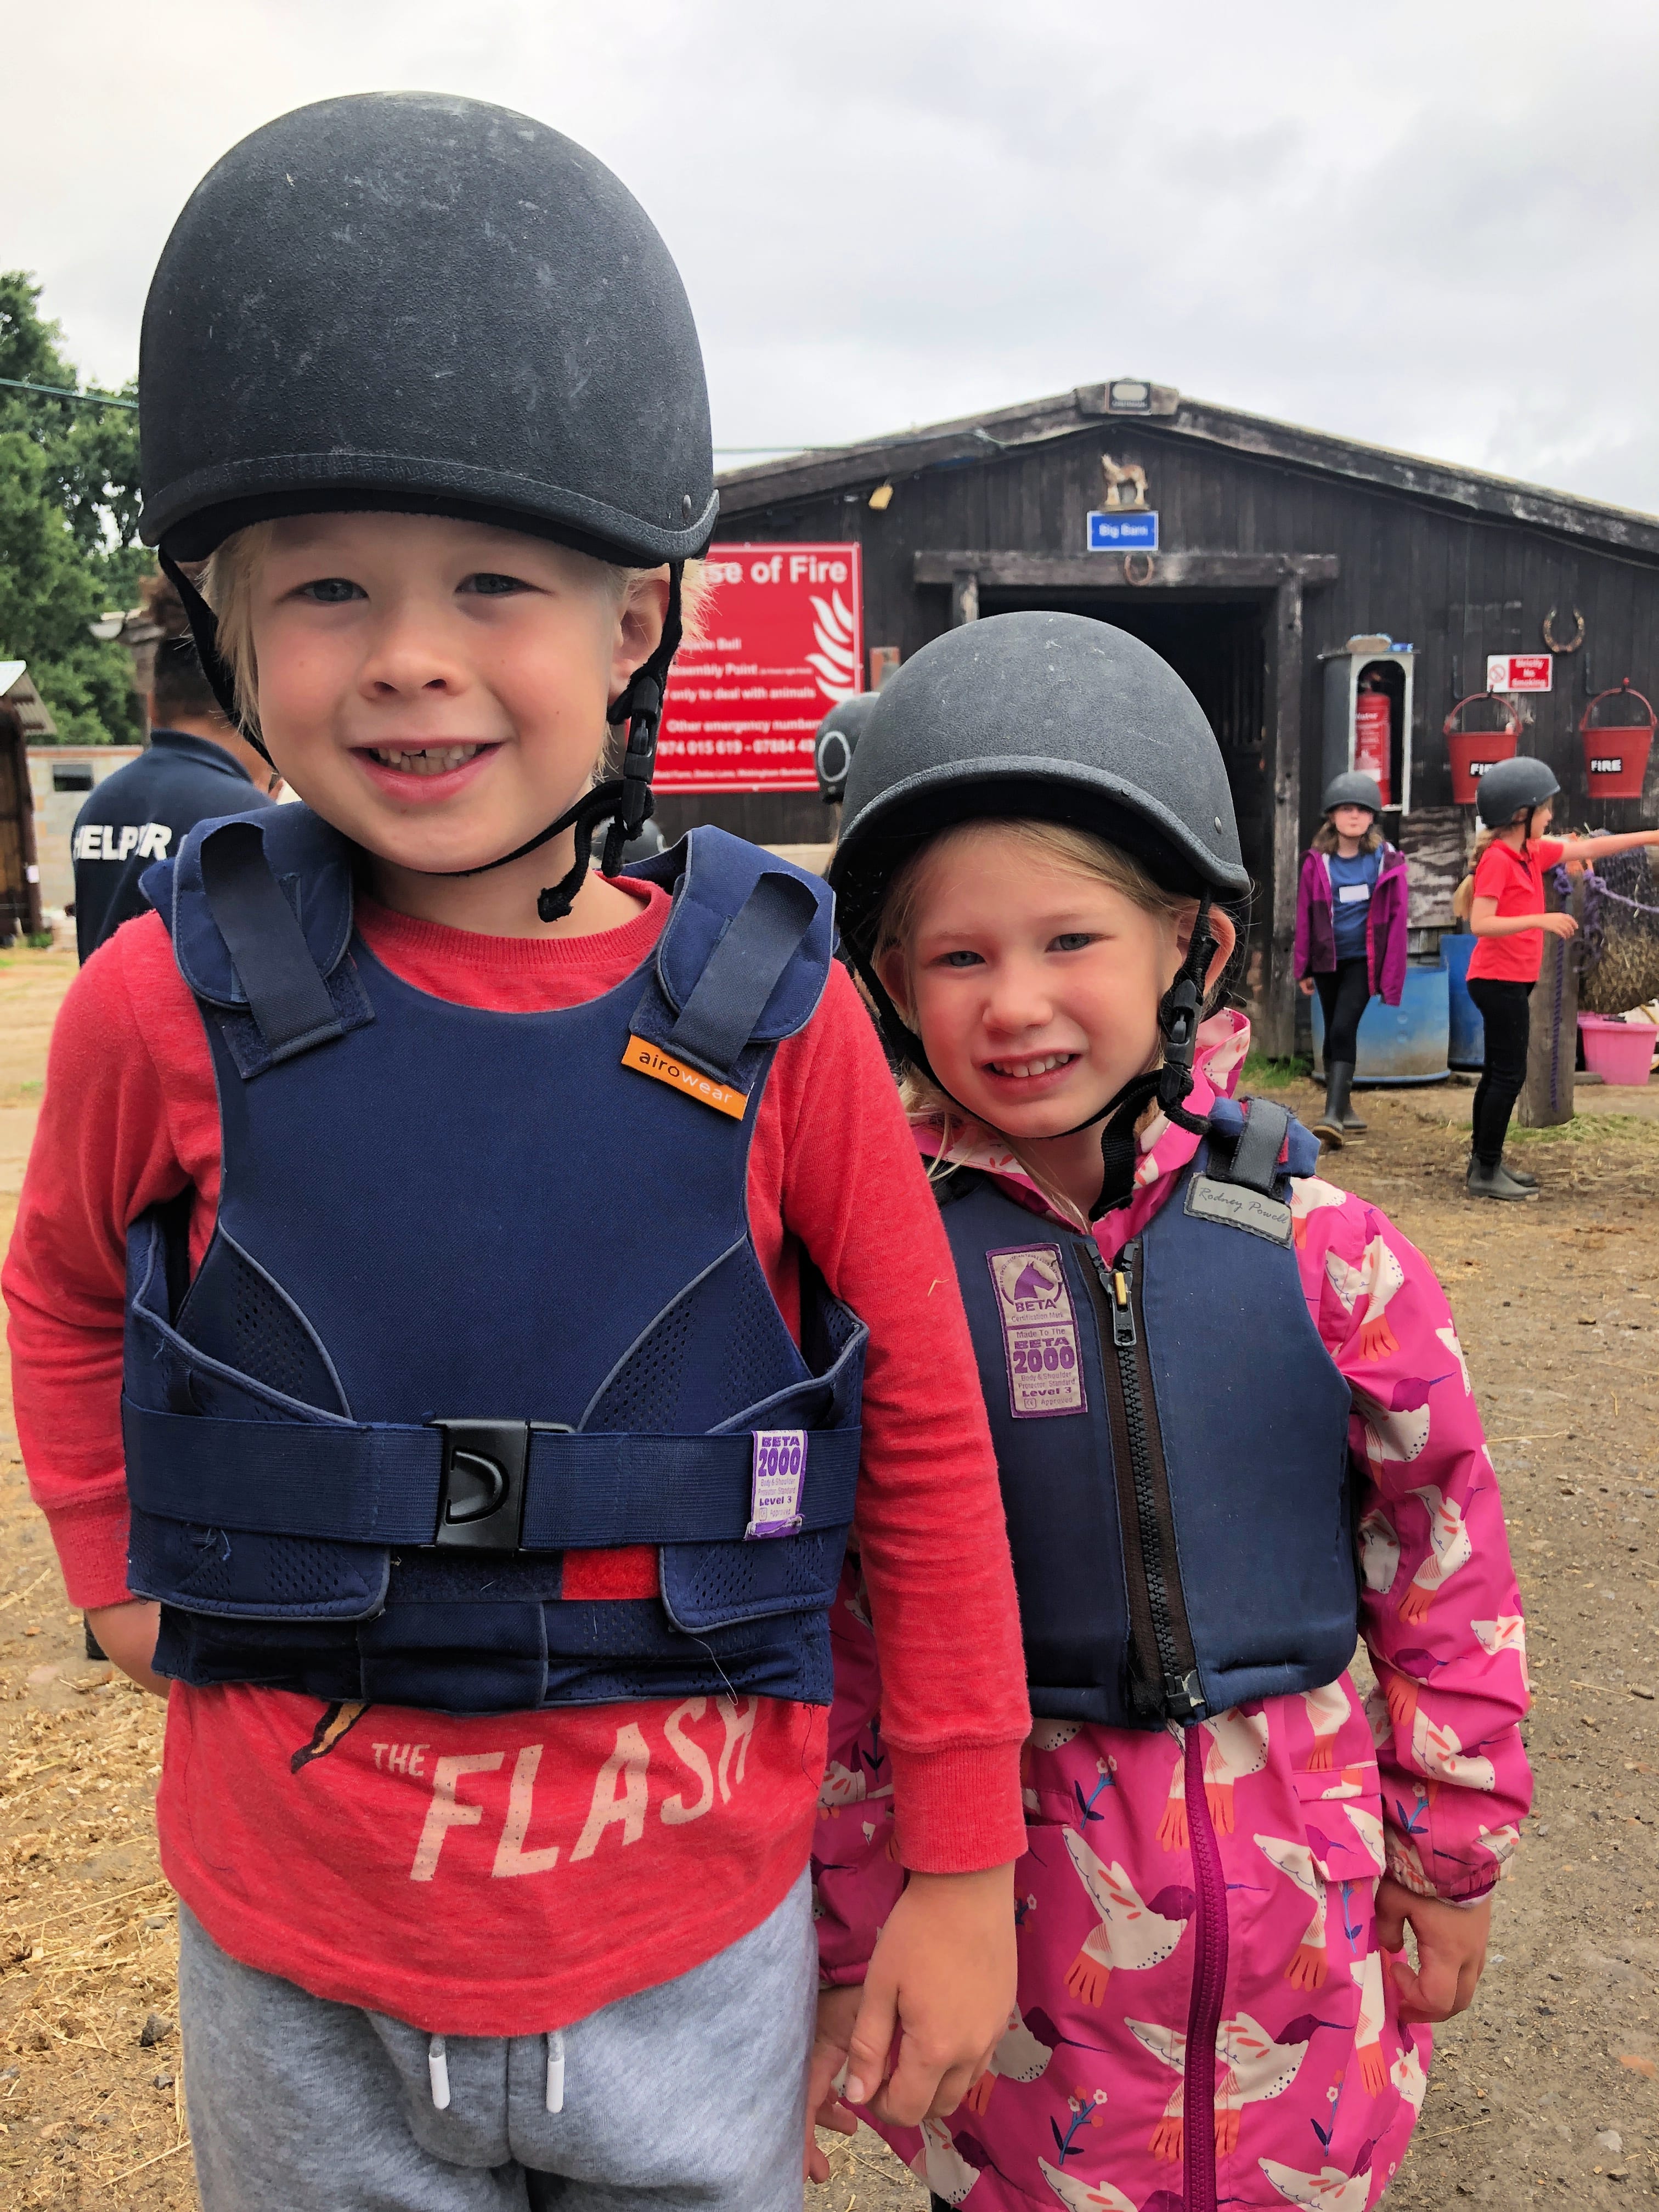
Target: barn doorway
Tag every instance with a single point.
(1218, 647)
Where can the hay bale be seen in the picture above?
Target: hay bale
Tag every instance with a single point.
(1618, 948)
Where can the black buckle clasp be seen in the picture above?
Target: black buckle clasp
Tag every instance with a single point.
(481, 1483)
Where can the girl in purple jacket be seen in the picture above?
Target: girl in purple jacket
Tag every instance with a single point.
(1350, 934)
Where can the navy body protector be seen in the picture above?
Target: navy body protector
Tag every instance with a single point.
(428, 1352)
(1172, 1436)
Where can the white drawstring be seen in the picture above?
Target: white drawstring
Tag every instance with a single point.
(437, 2065)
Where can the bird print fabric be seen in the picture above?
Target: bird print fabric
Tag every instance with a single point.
(1305, 1800)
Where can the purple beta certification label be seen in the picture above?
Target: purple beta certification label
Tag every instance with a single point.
(780, 1470)
(1039, 1332)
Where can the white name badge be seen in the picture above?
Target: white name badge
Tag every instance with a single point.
(1354, 894)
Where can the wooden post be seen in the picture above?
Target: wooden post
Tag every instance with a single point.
(1276, 1029)
(1552, 1046)
(964, 597)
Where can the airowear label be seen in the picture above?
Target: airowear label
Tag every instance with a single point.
(1039, 1332)
(780, 1470)
(651, 1060)
(1237, 1208)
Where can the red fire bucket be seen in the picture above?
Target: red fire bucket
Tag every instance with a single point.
(1616, 753)
(1473, 752)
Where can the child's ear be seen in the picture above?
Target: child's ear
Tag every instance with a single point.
(1225, 934)
(640, 619)
(889, 966)
(1222, 929)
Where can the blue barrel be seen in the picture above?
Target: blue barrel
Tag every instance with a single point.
(1405, 1043)
(1467, 1050)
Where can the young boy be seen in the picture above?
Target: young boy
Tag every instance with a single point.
(496, 1244)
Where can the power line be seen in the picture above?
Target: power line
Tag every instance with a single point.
(60, 392)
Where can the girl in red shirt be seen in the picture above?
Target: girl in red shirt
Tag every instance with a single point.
(1508, 916)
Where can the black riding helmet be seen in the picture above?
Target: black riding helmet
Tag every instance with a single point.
(837, 740)
(1051, 717)
(412, 302)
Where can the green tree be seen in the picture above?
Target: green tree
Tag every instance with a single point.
(69, 511)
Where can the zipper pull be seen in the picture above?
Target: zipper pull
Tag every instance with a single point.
(1116, 1280)
(1123, 1314)
(1183, 1698)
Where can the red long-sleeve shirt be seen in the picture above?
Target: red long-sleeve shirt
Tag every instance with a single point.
(508, 1874)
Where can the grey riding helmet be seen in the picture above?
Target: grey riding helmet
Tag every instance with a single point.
(1352, 789)
(1515, 787)
(408, 300)
(408, 303)
(836, 742)
(1044, 716)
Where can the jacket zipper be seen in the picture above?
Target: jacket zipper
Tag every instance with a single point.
(1209, 1987)
(1170, 1667)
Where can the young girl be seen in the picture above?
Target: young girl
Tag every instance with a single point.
(1218, 1388)
(1515, 803)
(1350, 934)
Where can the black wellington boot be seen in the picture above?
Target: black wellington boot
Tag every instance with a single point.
(1332, 1126)
(1520, 1175)
(1484, 1181)
(1353, 1124)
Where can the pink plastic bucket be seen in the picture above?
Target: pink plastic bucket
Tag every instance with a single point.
(1619, 1052)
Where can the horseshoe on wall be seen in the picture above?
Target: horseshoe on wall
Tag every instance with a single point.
(1138, 567)
(1563, 645)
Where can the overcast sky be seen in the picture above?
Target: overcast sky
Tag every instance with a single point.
(1435, 227)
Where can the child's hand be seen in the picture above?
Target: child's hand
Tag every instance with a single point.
(126, 1635)
(942, 1979)
(837, 2010)
(1559, 925)
(1451, 1949)
(1306, 986)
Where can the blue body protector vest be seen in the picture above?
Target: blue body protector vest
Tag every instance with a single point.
(1172, 1436)
(420, 1362)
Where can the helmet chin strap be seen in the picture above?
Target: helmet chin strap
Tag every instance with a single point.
(1179, 1010)
(625, 801)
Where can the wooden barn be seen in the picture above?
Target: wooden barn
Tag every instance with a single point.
(1326, 601)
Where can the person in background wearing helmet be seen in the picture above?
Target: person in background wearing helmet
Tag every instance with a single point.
(1201, 1366)
(1350, 934)
(1514, 800)
(490, 1561)
(197, 767)
(837, 740)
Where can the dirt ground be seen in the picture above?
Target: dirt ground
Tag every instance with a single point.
(1547, 2091)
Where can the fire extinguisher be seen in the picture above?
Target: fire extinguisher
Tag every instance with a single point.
(1373, 734)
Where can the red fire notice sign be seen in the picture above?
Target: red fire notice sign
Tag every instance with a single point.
(1518, 671)
(785, 627)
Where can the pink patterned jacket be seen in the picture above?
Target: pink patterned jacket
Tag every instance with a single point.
(1221, 1881)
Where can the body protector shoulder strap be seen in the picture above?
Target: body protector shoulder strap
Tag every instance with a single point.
(1172, 1436)
(419, 1364)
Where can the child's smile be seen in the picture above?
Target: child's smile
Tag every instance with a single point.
(1035, 985)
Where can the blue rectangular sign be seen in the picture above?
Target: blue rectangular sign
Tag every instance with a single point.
(1111, 532)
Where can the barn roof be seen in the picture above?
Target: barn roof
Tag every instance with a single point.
(1173, 415)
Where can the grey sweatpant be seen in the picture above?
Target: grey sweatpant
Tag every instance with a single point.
(692, 2095)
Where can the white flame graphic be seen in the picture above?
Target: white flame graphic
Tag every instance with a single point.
(836, 659)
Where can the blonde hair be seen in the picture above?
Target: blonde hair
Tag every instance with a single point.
(230, 575)
(923, 1101)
